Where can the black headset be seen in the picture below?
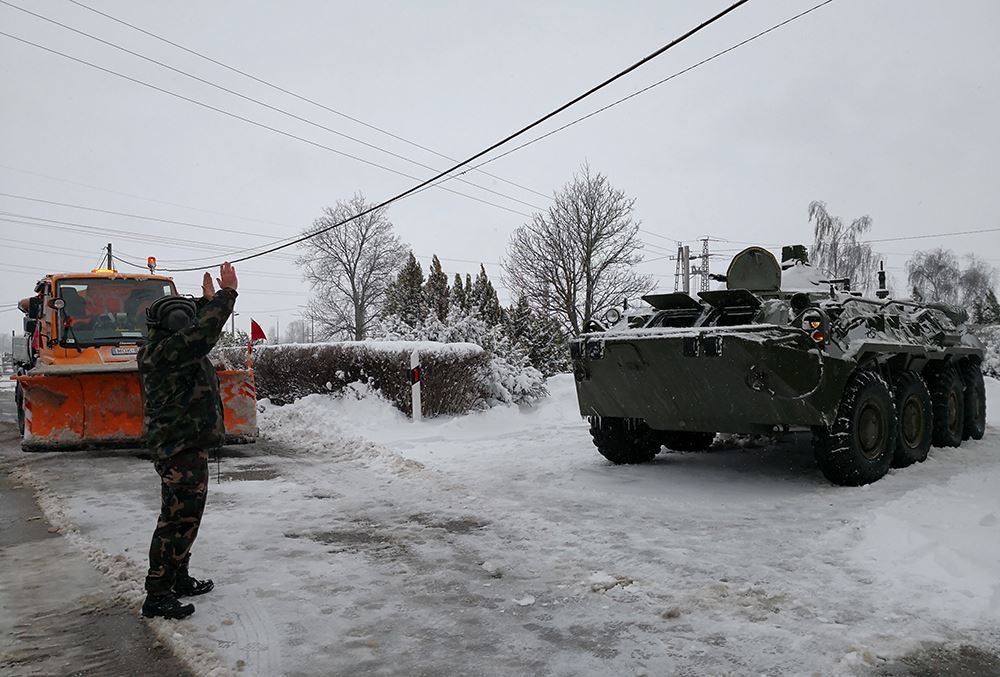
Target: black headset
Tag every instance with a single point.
(171, 313)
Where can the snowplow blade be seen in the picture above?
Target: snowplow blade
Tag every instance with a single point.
(70, 410)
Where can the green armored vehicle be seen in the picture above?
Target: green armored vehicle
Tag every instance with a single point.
(876, 380)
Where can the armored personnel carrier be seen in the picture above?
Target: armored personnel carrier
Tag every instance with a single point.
(877, 381)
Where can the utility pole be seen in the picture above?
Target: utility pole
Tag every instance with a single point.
(111, 258)
(682, 271)
(703, 270)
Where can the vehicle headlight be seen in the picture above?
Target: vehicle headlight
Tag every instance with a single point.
(612, 316)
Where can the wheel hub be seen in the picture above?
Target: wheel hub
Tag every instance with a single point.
(871, 431)
(953, 422)
(912, 422)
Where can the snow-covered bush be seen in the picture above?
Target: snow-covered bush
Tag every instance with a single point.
(511, 378)
(990, 335)
(455, 378)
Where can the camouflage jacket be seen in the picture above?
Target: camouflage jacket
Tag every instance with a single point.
(183, 407)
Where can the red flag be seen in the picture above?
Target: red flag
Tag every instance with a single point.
(256, 332)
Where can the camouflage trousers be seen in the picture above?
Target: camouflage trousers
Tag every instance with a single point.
(183, 490)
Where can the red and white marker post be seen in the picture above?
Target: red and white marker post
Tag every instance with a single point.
(415, 384)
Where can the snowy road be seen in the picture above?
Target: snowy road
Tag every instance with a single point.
(356, 542)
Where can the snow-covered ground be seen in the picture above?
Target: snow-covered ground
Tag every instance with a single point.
(354, 541)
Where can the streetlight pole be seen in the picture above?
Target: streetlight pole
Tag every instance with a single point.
(277, 328)
(232, 325)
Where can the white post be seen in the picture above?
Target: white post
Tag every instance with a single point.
(415, 380)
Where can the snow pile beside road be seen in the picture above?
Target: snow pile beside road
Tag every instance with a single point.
(315, 424)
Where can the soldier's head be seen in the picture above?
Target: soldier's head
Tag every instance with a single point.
(170, 313)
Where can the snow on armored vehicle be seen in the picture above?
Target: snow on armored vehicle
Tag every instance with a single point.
(876, 380)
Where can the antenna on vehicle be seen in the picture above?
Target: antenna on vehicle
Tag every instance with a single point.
(882, 292)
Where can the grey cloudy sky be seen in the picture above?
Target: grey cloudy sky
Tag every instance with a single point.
(884, 107)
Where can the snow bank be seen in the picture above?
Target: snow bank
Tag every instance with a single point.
(316, 424)
(942, 546)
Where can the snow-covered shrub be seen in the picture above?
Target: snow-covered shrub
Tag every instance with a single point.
(455, 377)
(990, 335)
(511, 378)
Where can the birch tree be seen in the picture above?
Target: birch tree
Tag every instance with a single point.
(838, 250)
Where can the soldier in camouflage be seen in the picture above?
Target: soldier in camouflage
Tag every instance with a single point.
(183, 420)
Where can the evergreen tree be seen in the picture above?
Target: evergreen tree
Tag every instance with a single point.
(987, 311)
(483, 299)
(405, 296)
(459, 300)
(436, 290)
(467, 308)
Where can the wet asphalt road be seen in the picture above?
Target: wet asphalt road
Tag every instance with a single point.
(56, 614)
(7, 410)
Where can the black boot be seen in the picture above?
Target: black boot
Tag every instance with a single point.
(166, 606)
(185, 586)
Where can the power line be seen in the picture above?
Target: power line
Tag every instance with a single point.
(144, 217)
(73, 226)
(297, 96)
(264, 126)
(139, 197)
(432, 180)
(523, 130)
(655, 84)
(924, 237)
(262, 103)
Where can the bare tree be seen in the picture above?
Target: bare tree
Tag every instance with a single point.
(296, 332)
(838, 250)
(576, 260)
(349, 267)
(934, 275)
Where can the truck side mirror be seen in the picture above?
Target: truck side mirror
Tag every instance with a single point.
(30, 324)
(35, 309)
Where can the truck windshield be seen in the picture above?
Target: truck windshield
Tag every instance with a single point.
(102, 311)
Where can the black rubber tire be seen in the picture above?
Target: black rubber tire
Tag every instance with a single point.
(948, 397)
(686, 440)
(858, 448)
(624, 440)
(19, 403)
(915, 415)
(975, 400)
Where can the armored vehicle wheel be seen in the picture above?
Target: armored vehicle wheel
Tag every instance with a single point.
(858, 448)
(624, 440)
(948, 396)
(686, 440)
(914, 411)
(19, 403)
(975, 401)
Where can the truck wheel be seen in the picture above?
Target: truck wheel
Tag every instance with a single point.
(975, 401)
(624, 440)
(858, 448)
(948, 396)
(914, 411)
(19, 403)
(686, 440)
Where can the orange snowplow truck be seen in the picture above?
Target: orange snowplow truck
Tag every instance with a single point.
(77, 376)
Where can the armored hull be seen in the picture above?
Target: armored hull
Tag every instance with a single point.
(876, 380)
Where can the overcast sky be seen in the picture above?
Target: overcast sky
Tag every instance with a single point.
(879, 107)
